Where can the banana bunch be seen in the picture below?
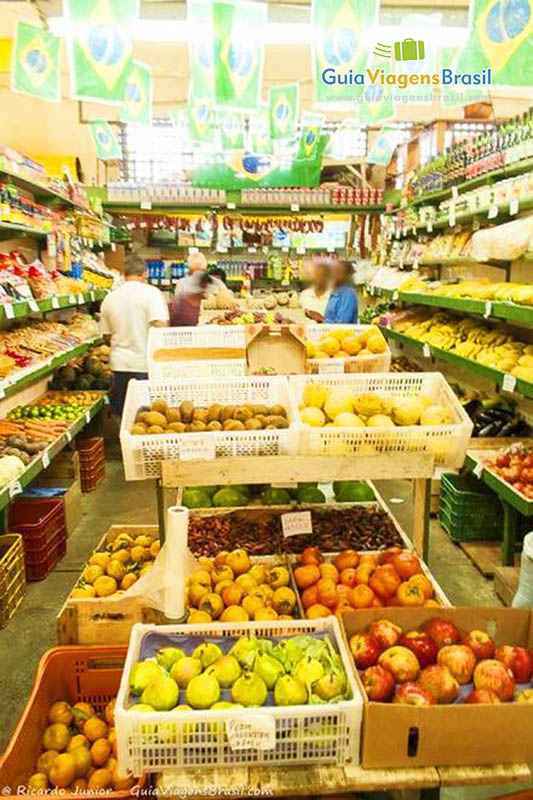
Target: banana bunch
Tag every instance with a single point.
(482, 289)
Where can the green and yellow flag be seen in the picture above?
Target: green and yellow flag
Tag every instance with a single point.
(35, 63)
(343, 32)
(259, 140)
(238, 49)
(500, 38)
(383, 148)
(231, 130)
(452, 96)
(105, 141)
(283, 105)
(375, 101)
(310, 134)
(100, 47)
(202, 121)
(137, 99)
(181, 120)
(344, 141)
(200, 20)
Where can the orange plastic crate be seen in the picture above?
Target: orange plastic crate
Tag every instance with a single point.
(74, 674)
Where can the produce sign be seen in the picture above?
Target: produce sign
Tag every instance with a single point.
(249, 224)
(354, 580)
(232, 588)
(514, 465)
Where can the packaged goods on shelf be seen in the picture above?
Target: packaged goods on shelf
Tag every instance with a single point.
(23, 281)
(323, 732)
(286, 197)
(17, 209)
(170, 193)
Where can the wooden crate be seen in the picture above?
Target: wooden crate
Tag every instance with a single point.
(89, 620)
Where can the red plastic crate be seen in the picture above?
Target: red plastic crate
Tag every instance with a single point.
(75, 674)
(92, 478)
(91, 451)
(37, 568)
(41, 522)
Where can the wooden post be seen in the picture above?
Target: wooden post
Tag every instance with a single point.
(421, 501)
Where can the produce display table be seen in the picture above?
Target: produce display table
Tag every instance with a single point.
(331, 780)
(417, 467)
(513, 502)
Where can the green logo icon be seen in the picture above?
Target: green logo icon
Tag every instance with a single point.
(409, 50)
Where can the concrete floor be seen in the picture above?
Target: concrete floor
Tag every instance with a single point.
(33, 628)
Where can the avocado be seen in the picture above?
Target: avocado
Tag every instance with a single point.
(195, 498)
(275, 497)
(229, 497)
(311, 494)
(353, 492)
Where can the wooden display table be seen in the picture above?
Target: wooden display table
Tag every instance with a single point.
(298, 469)
(287, 781)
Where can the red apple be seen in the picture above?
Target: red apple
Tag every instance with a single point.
(442, 631)
(518, 660)
(482, 696)
(422, 646)
(379, 684)
(492, 674)
(412, 694)
(526, 696)
(386, 632)
(365, 650)
(460, 660)
(481, 644)
(440, 682)
(401, 661)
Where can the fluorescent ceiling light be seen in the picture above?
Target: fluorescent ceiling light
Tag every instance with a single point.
(277, 33)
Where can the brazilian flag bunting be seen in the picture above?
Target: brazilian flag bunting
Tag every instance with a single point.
(35, 64)
(202, 121)
(375, 102)
(238, 52)
(105, 141)
(259, 140)
(137, 100)
(100, 47)
(231, 130)
(311, 132)
(283, 103)
(383, 148)
(200, 20)
(452, 96)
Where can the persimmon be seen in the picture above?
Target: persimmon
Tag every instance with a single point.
(423, 582)
(318, 610)
(361, 596)
(311, 555)
(309, 596)
(306, 575)
(329, 571)
(347, 559)
(348, 577)
(327, 592)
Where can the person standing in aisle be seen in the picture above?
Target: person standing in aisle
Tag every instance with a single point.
(126, 316)
(342, 305)
(315, 299)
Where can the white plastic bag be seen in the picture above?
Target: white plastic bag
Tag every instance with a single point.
(524, 596)
(505, 242)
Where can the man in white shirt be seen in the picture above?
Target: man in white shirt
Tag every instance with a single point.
(315, 299)
(126, 315)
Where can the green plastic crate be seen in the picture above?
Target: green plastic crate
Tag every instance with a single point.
(469, 510)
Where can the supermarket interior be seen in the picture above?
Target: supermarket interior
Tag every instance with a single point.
(266, 399)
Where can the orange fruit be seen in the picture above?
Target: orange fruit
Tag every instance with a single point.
(100, 779)
(63, 771)
(199, 617)
(121, 783)
(82, 712)
(82, 759)
(60, 712)
(78, 741)
(100, 752)
(109, 713)
(46, 759)
(95, 728)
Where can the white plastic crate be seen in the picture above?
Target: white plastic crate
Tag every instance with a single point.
(378, 362)
(142, 455)
(305, 734)
(447, 443)
(164, 344)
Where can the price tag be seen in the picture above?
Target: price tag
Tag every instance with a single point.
(55, 302)
(493, 211)
(8, 310)
(33, 304)
(331, 248)
(451, 216)
(455, 192)
(203, 449)
(514, 205)
(300, 251)
(252, 249)
(397, 233)
(429, 226)
(296, 523)
(416, 263)
(107, 401)
(285, 249)
(81, 299)
(2, 392)
(221, 249)
(488, 309)
(69, 436)
(15, 488)
(395, 294)
(295, 206)
(93, 296)
(45, 459)
(72, 299)
(193, 250)
(146, 205)
(371, 291)
(251, 732)
(333, 366)
(113, 247)
(478, 470)
(87, 417)
(426, 351)
(509, 383)
(232, 206)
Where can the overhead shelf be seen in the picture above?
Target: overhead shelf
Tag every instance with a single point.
(41, 192)
(7, 229)
(22, 308)
(117, 206)
(500, 378)
(14, 384)
(28, 476)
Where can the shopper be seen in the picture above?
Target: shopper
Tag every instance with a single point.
(315, 299)
(197, 262)
(342, 304)
(188, 301)
(126, 315)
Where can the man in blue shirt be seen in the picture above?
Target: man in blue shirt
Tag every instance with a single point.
(342, 304)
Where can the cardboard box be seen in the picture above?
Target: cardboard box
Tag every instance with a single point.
(276, 347)
(446, 735)
(64, 473)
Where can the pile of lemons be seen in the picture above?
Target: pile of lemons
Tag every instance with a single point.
(346, 343)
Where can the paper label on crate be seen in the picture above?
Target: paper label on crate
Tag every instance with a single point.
(455, 192)
(81, 300)
(426, 351)
(300, 251)
(34, 305)
(113, 247)
(72, 299)
(493, 211)
(335, 366)
(232, 206)
(514, 205)
(295, 206)
(87, 416)
(45, 458)
(395, 294)
(146, 205)
(55, 302)
(509, 383)
(191, 450)
(251, 732)
(429, 226)
(8, 310)
(69, 436)
(488, 309)
(296, 523)
(15, 488)
(478, 470)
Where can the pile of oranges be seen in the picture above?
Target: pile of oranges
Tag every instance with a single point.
(344, 343)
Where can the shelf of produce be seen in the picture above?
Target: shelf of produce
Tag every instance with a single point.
(22, 308)
(46, 456)
(8, 230)
(18, 381)
(521, 387)
(487, 308)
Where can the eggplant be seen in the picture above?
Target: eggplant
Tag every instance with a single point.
(490, 430)
(511, 428)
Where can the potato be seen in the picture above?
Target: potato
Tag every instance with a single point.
(243, 413)
(177, 427)
(186, 411)
(197, 426)
(233, 425)
(160, 405)
(260, 411)
(278, 411)
(227, 412)
(138, 429)
(253, 425)
(155, 418)
(173, 415)
(200, 415)
(262, 419)
(213, 412)
(155, 429)
(214, 425)
(277, 421)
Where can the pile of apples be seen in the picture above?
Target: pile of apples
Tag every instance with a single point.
(354, 580)
(515, 466)
(432, 665)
